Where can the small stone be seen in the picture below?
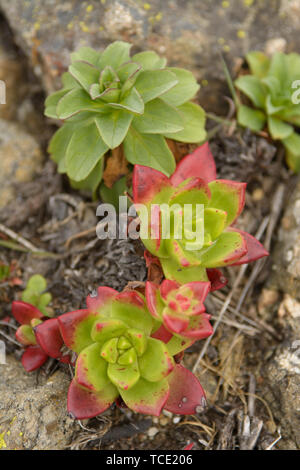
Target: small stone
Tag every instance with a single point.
(163, 421)
(168, 413)
(267, 299)
(258, 194)
(275, 45)
(152, 432)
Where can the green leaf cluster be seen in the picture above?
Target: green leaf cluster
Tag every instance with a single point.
(112, 98)
(35, 294)
(271, 87)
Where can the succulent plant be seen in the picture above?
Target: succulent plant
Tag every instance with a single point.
(193, 182)
(109, 99)
(35, 294)
(180, 308)
(270, 87)
(117, 357)
(41, 339)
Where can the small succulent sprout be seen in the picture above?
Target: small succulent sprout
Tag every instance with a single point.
(35, 294)
(180, 307)
(272, 90)
(112, 98)
(117, 357)
(194, 184)
(41, 339)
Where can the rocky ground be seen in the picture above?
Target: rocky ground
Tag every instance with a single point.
(251, 368)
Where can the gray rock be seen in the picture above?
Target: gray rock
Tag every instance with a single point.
(33, 416)
(20, 157)
(282, 381)
(189, 33)
(282, 372)
(286, 257)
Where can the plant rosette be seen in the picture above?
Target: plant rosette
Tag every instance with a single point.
(193, 183)
(272, 89)
(112, 98)
(41, 338)
(117, 357)
(180, 309)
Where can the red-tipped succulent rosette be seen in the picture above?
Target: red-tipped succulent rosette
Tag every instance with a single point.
(118, 358)
(41, 338)
(180, 308)
(194, 182)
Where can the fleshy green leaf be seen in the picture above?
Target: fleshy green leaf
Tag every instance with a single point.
(123, 377)
(156, 363)
(92, 182)
(52, 101)
(91, 369)
(114, 126)
(138, 340)
(259, 63)
(149, 60)
(153, 83)
(228, 247)
(84, 151)
(132, 103)
(292, 146)
(147, 397)
(178, 344)
(59, 144)
(185, 89)
(214, 221)
(87, 54)
(253, 88)
(175, 272)
(25, 335)
(115, 55)
(132, 315)
(229, 196)
(85, 74)
(68, 81)
(194, 121)
(105, 329)
(158, 118)
(279, 129)
(75, 101)
(251, 118)
(37, 283)
(149, 150)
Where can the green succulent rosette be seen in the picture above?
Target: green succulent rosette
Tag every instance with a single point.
(118, 358)
(194, 183)
(271, 87)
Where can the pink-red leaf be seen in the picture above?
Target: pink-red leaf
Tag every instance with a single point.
(216, 278)
(198, 328)
(103, 296)
(33, 358)
(84, 404)
(146, 183)
(49, 338)
(186, 396)
(24, 312)
(75, 328)
(255, 249)
(200, 163)
(163, 334)
(152, 298)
